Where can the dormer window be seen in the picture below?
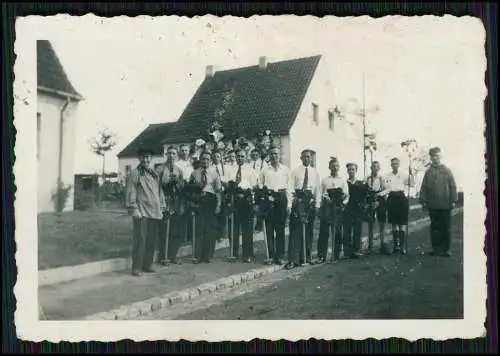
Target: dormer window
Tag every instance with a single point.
(315, 113)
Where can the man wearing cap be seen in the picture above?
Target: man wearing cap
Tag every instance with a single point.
(171, 181)
(333, 181)
(378, 208)
(245, 180)
(146, 204)
(210, 204)
(276, 178)
(438, 194)
(398, 206)
(354, 212)
(305, 180)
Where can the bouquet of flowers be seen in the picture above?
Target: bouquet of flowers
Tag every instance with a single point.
(301, 205)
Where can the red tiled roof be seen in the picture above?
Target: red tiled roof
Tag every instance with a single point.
(151, 137)
(256, 100)
(50, 72)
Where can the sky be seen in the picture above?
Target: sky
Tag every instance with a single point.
(422, 72)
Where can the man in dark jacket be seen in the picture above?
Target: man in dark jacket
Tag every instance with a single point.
(438, 195)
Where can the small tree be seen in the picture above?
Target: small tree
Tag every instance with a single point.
(103, 143)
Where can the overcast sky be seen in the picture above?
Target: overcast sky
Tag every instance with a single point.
(421, 72)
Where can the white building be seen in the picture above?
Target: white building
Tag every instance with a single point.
(294, 99)
(151, 137)
(57, 102)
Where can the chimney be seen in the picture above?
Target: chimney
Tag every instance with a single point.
(209, 73)
(262, 62)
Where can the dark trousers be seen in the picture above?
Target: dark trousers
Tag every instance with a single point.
(440, 229)
(353, 222)
(275, 227)
(243, 223)
(258, 223)
(175, 240)
(324, 237)
(296, 239)
(205, 224)
(144, 242)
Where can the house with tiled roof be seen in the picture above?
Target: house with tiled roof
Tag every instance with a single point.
(57, 103)
(293, 99)
(152, 137)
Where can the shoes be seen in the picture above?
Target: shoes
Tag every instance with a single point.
(446, 254)
(149, 270)
(403, 251)
(290, 265)
(136, 273)
(383, 251)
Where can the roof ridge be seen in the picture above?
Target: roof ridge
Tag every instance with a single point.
(276, 62)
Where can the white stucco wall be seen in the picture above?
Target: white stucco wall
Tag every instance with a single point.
(306, 134)
(48, 159)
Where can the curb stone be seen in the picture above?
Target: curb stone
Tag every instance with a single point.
(145, 307)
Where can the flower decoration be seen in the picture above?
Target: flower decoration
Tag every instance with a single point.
(200, 142)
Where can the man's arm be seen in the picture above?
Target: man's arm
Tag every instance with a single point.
(453, 187)
(318, 190)
(131, 192)
(345, 190)
(423, 189)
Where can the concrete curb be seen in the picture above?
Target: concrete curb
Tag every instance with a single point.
(70, 273)
(150, 305)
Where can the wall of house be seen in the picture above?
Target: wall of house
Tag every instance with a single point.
(305, 133)
(49, 108)
(123, 162)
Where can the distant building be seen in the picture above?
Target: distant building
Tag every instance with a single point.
(152, 136)
(294, 99)
(57, 101)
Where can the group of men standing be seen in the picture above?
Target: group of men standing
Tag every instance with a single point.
(217, 199)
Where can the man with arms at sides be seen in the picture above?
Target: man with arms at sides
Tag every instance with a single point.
(277, 179)
(210, 205)
(146, 204)
(378, 210)
(333, 181)
(171, 181)
(354, 212)
(438, 194)
(305, 178)
(245, 180)
(398, 206)
(257, 163)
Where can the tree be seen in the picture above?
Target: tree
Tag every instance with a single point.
(103, 143)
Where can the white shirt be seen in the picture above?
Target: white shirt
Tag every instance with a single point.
(248, 177)
(397, 183)
(186, 168)
(335, 182)
(276, 179)
(313, 181)
(221, 170)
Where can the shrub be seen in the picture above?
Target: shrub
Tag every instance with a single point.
(60, 197)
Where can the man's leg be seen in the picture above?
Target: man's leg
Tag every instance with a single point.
(434, 230)
(271, 237)
(293, 243)
(348, 249)
(395, 238)
(323, 238)
(338, 240)
(309, 236)
(358, 223)
(281, 216)
(446, 226)
(151, 236)
(371, 228)
(175, 241)
(237, 216)
(247, 234)
(138, 245)
(162, 241)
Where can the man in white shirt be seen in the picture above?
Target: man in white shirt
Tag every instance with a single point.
(378, 208)
(276, 178)
(220, 168)
(333, 181)
(305, 178)
(231, 158)
(245, 180)
(398, 209)
(186, 167)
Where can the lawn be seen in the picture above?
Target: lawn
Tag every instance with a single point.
(77, 237)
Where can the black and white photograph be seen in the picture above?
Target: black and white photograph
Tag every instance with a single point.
(225, 178)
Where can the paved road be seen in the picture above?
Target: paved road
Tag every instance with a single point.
(416, 286)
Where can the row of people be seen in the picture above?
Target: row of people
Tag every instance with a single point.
(299, 195)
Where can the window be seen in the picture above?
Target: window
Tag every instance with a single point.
(38, 132)
(315, 113)
(331, 118)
